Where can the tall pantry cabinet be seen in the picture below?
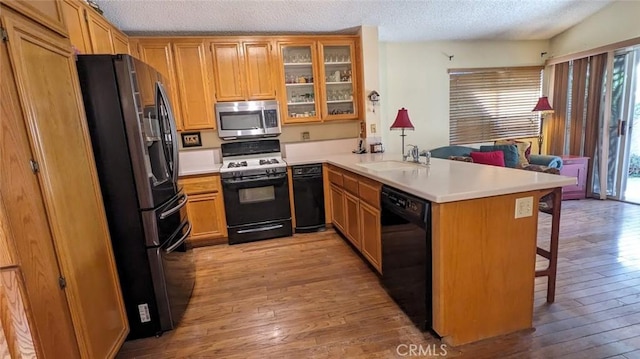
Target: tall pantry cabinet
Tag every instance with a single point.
(60, 296)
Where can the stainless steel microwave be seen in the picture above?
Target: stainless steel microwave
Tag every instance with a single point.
(247, 119)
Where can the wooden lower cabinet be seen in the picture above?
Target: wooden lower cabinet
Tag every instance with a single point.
(337, 207)
(352, 220)
(355, 211)
(205, 209)
(370, 231)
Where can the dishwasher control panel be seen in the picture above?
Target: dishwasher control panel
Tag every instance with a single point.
(307, 170)
(404, 203)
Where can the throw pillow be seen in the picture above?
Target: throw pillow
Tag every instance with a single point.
(524, 150)
(510, 153)
(494, 158)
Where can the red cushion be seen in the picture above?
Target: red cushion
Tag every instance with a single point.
(494, 158)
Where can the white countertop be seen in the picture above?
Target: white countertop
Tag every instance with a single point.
(441, 181)
(444, 180)
(197, 162)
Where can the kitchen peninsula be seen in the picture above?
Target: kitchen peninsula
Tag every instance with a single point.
(483, 257)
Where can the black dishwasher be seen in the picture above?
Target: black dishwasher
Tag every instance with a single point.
(308, 198)
(406, 254)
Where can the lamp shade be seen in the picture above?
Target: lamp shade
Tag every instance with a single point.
(402, 120)
(543, 105)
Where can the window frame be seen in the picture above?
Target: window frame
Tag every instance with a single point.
(500, 111)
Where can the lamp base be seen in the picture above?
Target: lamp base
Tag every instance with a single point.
(540, 140)
(403, 136)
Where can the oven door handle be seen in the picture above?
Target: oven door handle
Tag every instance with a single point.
(183, 202)
(260, 229)
(182, 239)
(266, 179)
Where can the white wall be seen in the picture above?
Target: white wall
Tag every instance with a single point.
(371, 77)
(415, 76)
(617, 22)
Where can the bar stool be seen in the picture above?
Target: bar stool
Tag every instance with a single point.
(550, 203)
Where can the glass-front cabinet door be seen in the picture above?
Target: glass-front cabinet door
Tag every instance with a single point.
(299, 70)
(339, 79)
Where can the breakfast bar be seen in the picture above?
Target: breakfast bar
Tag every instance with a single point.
(483, 230)
(483, 250)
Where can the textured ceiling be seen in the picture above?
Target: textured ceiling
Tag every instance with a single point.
(397, 21)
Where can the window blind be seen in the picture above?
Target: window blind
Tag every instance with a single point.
(493, 104)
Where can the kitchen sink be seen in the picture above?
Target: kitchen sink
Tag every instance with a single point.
(390, 165)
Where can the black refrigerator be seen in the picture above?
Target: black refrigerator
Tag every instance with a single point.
(133, 136)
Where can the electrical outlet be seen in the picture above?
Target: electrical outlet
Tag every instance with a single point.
(373, 128)
(524, 207)
(306, 136)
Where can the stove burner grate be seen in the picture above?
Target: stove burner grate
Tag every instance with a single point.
(237, 164)
(271, 161)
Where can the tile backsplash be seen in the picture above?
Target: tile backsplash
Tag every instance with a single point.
(290, 134)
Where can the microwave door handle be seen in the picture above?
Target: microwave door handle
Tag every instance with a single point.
(173, 129)
(264, 120)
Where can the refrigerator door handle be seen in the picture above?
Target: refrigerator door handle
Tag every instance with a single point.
(181, 240)
(174, 132)
(182, 203)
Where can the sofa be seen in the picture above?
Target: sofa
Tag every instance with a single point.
(512, 157)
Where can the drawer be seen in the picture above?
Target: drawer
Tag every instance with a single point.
(574, 162)
(350, 183)
(335, 177)
(369, 191)
(201, 184)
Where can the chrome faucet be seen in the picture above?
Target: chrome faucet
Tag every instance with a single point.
(414, 153)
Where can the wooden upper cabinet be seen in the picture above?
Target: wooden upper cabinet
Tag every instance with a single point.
(90, 33)
(120, 42)
(299, 95)
(77, 25)
(46, 12)
(192, 71)
(319, 79)
(134, 47)
(99, 33)
(227, 62)
(243, 70)
(157, 52)
(260, 84)
(338, 79)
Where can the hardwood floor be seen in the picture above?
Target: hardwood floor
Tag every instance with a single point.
(311, 296)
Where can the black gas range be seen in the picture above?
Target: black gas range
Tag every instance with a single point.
(256, 191)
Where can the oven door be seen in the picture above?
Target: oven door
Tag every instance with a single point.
(256, 199)
(173, 273)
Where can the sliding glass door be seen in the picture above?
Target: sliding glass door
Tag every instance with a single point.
(623, 160)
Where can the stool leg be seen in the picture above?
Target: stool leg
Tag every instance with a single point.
(553, 257)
